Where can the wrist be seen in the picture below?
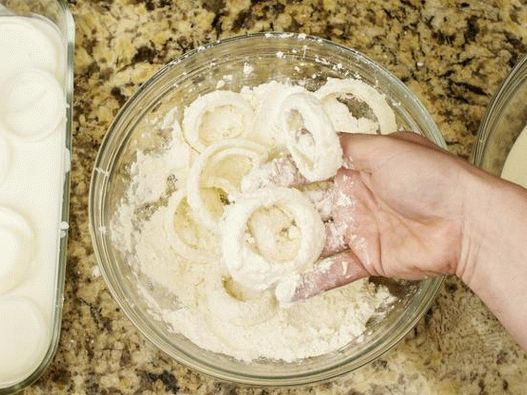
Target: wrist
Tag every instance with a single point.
(477, 200)
(494, 259)
(494, 225)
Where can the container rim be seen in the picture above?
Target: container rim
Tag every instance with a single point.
(505, 90)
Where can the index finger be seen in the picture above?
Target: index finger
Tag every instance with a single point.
(360, 150)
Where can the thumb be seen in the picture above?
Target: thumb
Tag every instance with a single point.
(331, 272)
(361, 151)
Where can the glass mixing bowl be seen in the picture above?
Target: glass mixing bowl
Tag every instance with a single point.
(238, 62)
(503, 122)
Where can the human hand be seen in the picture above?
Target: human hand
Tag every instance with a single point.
(419, 211)
(406, 218)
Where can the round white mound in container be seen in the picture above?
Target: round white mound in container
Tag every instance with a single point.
(5, 159)
(515, 168)
(16, 248)
(32, 104)
(23, 337)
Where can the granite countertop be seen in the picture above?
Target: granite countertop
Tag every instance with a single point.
(452, 54)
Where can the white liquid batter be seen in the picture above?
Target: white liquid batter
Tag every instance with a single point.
(515, 168)
(32, 168)
(242, 218)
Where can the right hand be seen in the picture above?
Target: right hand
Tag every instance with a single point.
(408, 218)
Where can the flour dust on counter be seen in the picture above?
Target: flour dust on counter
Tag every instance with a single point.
(249, 201)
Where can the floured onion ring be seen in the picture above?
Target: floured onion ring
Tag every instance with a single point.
(334, 88)
(280, 172)
(269, 98)
(242, 251)
(187, 237)
(310, 137)
(226, 300)
(216, 116)
(343, 120)
(216, 175)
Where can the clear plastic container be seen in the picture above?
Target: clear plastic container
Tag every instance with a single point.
(503, 122)
(57, 12)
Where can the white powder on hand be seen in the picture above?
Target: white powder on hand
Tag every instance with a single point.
(219, 281)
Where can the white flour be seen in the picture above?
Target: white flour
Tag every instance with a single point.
(181, 246)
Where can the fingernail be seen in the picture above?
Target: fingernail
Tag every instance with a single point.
(286, 289)
(347, 163)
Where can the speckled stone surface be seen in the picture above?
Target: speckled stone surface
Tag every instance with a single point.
(452, 54)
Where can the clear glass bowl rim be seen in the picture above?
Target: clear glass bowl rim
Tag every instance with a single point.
(418, 307)
(499, 100)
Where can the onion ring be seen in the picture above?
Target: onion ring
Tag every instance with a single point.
(270, 97)
(310, 137)
(248, 267)
(225, 105)
(239, 310)
(280, 172)
(209, 163)
(344, 121)
(376, 101)
(199, 246)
